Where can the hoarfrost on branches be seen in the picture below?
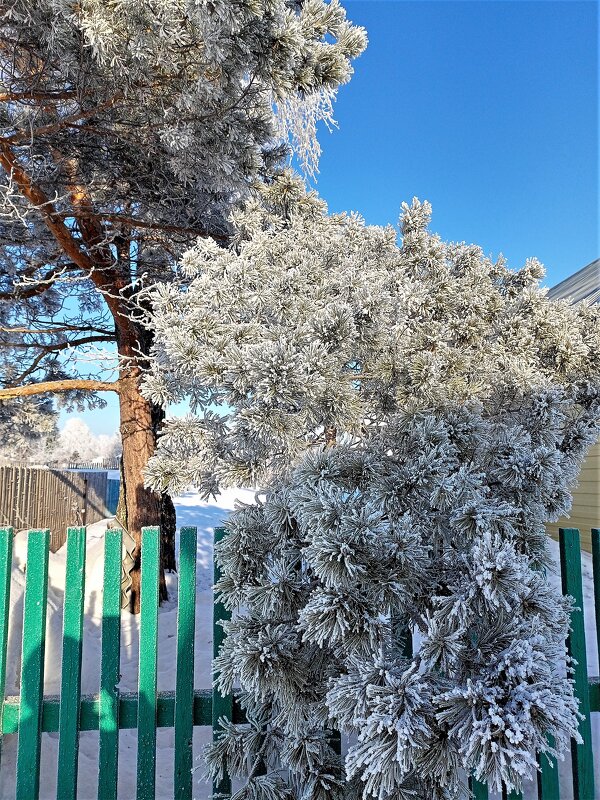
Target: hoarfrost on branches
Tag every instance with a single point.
(415, 414)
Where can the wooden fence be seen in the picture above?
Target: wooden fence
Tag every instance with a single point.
(30, 714)
(34, 497)
(106, 463)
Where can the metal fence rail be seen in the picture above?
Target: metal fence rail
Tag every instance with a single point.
(31, 714)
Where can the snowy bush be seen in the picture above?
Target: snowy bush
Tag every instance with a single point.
(417, 413)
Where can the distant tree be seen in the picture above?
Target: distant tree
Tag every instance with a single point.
(416, 414)
(76, 442)
(128, 129)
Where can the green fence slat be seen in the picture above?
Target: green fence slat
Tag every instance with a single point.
(146, 731)
(6, 543)
(596, 569)
(547, 777)
(512, 795)
(70, 687)
(184, 682)
(479, 790)
(108, 724)
(90, 719)
(222, 707)
(32, 666)
(581, 754)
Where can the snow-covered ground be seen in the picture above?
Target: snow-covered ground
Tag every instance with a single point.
(190, 511)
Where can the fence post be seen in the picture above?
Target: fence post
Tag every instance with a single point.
(581, 754)
(596, 571)
(108, 755)
(547, 777)
(480, 790)
(222, 707)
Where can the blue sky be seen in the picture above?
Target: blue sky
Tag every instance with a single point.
(486, 108)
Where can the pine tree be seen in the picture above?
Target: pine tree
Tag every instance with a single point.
(27, 429)
(128, 127)
(415, 414)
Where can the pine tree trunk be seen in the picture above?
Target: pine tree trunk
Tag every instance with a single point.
(143, 506)
(168, 520)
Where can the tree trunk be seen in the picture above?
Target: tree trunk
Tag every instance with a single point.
(168, 519)
(143, 506)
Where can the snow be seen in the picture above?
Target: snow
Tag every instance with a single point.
(205, 515)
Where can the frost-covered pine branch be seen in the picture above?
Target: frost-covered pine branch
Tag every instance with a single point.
(415, 414)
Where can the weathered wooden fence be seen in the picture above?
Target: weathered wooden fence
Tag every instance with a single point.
(33, 497)
(31, 714)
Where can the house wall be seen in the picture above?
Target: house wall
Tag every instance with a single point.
(585, 513)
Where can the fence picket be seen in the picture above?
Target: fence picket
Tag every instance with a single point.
(547, 777)
(184, 682)
(32, 666)
(70, 689)
(109, 668)
(6, 543)
(480, 790)
(581, 754)
(222, 706)
(596, 570)
(512, 795)
(146, 738)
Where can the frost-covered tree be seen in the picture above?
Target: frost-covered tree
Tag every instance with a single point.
(311, 325)
(27, 428)
(127, 128)
(76, 442)
(417, 413)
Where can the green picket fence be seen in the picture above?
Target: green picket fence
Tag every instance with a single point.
(110, 711)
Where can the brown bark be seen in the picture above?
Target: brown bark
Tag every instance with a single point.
(330, 437)
(31, 389)
(143, 505)
(168, 517)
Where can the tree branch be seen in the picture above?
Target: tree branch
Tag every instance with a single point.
(139, 223)
(39, 286)
(59, 386)
(38, 199)
(51, 347)
(24, 136)
(61, 328)
(53, 219)
(49, 96)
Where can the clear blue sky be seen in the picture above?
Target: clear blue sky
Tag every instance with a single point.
(489, 110)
